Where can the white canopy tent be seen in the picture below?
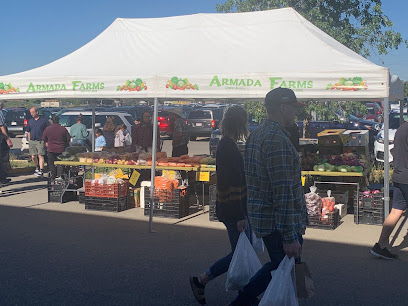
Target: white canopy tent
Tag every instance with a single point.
(216, 56)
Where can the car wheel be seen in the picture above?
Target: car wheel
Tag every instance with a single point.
(192, 138)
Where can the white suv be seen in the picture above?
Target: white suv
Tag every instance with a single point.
(68, 119)
(379, 142)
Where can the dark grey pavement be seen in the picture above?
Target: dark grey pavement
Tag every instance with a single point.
(53, 258)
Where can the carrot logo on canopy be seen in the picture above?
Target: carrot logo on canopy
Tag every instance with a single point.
(8, 88)
(133, 85)
(176, 83)
(356, 83)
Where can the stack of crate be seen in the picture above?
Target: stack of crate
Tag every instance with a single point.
(331, 141)
(358, 143)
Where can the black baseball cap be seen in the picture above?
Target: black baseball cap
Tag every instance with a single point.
(281, 96)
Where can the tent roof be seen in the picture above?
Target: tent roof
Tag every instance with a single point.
(278, 44)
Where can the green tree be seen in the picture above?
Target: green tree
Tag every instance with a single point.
(358, 24)
(406, 89)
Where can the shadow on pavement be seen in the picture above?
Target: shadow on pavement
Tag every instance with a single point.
(21, 190)
(52, 257)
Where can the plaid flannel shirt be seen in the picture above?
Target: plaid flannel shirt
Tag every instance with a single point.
(276, 200)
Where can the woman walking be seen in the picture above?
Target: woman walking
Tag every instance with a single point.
(231, 198)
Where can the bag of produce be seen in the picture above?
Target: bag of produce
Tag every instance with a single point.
(313, 202)
(327, 205)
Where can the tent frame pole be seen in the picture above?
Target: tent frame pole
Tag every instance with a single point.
(153, 172)
(386, 157)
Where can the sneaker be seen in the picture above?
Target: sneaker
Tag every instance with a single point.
(36, 171)
(5, 181)
(376, 250)
(39, 173)
(198, 290)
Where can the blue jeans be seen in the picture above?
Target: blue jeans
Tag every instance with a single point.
(222, 265)
(260, 281)
(82, 142)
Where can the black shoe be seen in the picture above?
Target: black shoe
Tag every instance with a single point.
(5, 181)
(382, 253)
(198, 290)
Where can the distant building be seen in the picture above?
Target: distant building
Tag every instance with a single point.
(51, 103)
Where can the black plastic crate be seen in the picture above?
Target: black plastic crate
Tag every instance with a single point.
(55, 196)
(130, 200)
(212, 212)
(212, 190)
(106, 204)
(168, 204)
(330, 223)
(81, 197)
(369, 209)
(64, 183)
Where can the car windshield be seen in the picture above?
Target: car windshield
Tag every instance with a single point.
(15, 115)
(200, 114)
(395, 120)
(370, 110)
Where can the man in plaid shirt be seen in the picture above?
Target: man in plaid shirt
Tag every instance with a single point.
(276, 202)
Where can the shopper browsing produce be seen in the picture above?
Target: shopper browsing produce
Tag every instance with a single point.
(181, 135)
(79, 132)
(109, 132)
(142, 134)
(100, 141)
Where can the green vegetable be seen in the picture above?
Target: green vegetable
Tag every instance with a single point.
(132, 85)
(357, 80)
(6, 87)
(186, 81)
(1, 85)
(127, 83)
(348, 83)
(180, 83)
(138, 82)
(174, 80)
(316, 168)
(342, 80)
(118, 88)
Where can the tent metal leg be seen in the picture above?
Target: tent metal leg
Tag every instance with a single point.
(153, 173)
(386, 158)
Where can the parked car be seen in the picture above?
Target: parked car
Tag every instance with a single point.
(374, 112)
(135, 111)
(379, 142)
(216, 136)
(68, 119)
(202, 122)
(80, 109)
(16, 120)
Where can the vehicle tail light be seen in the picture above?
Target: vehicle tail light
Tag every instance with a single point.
(379, 112)
(25, 122)
(213, 123)
(186, 122)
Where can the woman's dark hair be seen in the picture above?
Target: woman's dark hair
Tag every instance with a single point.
(80, 118)
(55, 118)
(235, 123)
(99, 131)
(109, 124)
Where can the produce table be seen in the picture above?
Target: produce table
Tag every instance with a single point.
(337, 174)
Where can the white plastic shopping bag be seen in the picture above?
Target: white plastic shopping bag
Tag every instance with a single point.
(281, 290)
(244, 264)
(257, 243)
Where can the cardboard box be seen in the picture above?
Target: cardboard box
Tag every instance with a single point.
(334, 137)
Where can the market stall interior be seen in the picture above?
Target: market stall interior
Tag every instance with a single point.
(325, 70)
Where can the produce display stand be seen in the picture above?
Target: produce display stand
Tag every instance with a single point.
(200, 178)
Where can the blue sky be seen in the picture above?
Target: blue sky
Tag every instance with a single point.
(38, 32)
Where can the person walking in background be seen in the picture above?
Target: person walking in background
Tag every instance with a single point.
(79, 132)
(231, 199)
(109, 132)
(276, 201)
(142, 134)
(120, 138)
(5, 145)
(36, 147)
(181, 135)
(100, 141)
(400, 196)
(56, 138)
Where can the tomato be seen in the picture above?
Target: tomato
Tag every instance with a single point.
(175, 86)
(167, 85)
(138, 88)
(145, 88)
